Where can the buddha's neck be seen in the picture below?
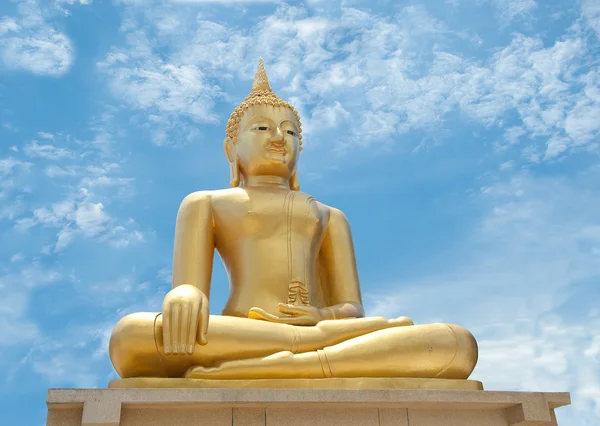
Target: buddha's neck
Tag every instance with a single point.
(266, 181)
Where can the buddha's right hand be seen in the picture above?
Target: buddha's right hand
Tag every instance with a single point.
(185, 315)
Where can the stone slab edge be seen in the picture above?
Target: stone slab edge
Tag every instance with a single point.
(103, 406)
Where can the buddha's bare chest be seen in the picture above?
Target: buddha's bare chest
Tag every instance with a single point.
(271, 216)
(269, 242)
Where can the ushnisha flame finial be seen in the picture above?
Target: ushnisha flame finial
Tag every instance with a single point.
(261, 81)
(261, 94)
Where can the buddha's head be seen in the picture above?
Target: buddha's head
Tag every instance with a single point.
(263, 136)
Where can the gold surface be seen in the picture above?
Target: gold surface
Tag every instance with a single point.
(294, 309)
(332, 383)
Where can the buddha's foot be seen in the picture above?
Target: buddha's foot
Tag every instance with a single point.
(331, 332)
(400, 321)
(282, 365)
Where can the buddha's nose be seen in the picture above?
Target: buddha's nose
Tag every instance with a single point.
(277, 138)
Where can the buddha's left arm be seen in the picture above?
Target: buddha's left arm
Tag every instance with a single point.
(340, 272)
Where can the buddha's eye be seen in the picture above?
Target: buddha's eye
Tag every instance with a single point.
(291, 132)
(262, 128)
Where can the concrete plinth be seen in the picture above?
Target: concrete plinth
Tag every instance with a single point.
(300, 407)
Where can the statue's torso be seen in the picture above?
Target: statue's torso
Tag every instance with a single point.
(269, 240)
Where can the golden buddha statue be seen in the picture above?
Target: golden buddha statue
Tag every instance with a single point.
(294, 309)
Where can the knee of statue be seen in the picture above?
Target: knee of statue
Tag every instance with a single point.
(466, 354)
(132, 340)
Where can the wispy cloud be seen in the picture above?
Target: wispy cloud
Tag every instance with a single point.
(225, 2)
(510, 9)
(591, 14)
(79, 215)
(15, 292)
(76, 205)
(14, 179)
(51, 152)
(405, 68)
(32, 44)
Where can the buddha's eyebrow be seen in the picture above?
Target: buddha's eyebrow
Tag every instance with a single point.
(259, 118)
(252, 121)
(289, 121)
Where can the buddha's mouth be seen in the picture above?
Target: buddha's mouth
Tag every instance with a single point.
(276, 155)
(276, 150)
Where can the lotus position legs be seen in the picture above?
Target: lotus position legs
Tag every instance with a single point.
(271, 350)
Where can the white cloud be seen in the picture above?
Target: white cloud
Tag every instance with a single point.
(8, 24)
(65, 369)
(553, 94)
(165, 275)
(166, 89)
(71, 2)
(51, 152)
(30, 43)
(326, 116)
(591, 13)
(55, 171)
(7, 165)
(15, 291)
(79, 215)
(173, 97)
(405, 70)
(46, 135)
(14, 176)
(47, 52)
(90, 218)
(80, 211)
(510, 9)
(224, 2)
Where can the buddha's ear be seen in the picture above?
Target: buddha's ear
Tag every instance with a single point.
(294, 186)
(229, 149)
(234, 168)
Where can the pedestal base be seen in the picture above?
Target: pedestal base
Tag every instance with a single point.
(300, 407)
(331, 383)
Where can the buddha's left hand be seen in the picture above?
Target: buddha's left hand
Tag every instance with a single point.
(291, 314)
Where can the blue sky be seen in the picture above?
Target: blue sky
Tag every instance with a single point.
(460, 137)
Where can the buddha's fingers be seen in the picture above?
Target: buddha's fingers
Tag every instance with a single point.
(293, 310)
(175, 328)
(204, 317)
(184, 327)
(260, 314)
(166, 327)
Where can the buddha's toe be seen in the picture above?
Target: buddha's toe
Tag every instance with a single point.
(465, 358)
(199, 372)
(132, 347)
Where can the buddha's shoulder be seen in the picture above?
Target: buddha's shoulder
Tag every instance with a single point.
(213, 197)
(332, 213)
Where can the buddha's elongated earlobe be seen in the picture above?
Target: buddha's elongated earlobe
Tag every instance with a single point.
(234, 173)
(294, 186)
(234, 167)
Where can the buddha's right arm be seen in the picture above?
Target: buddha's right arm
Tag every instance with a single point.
(194, 242)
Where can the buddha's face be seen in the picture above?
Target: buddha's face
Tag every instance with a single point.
(268, 142)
